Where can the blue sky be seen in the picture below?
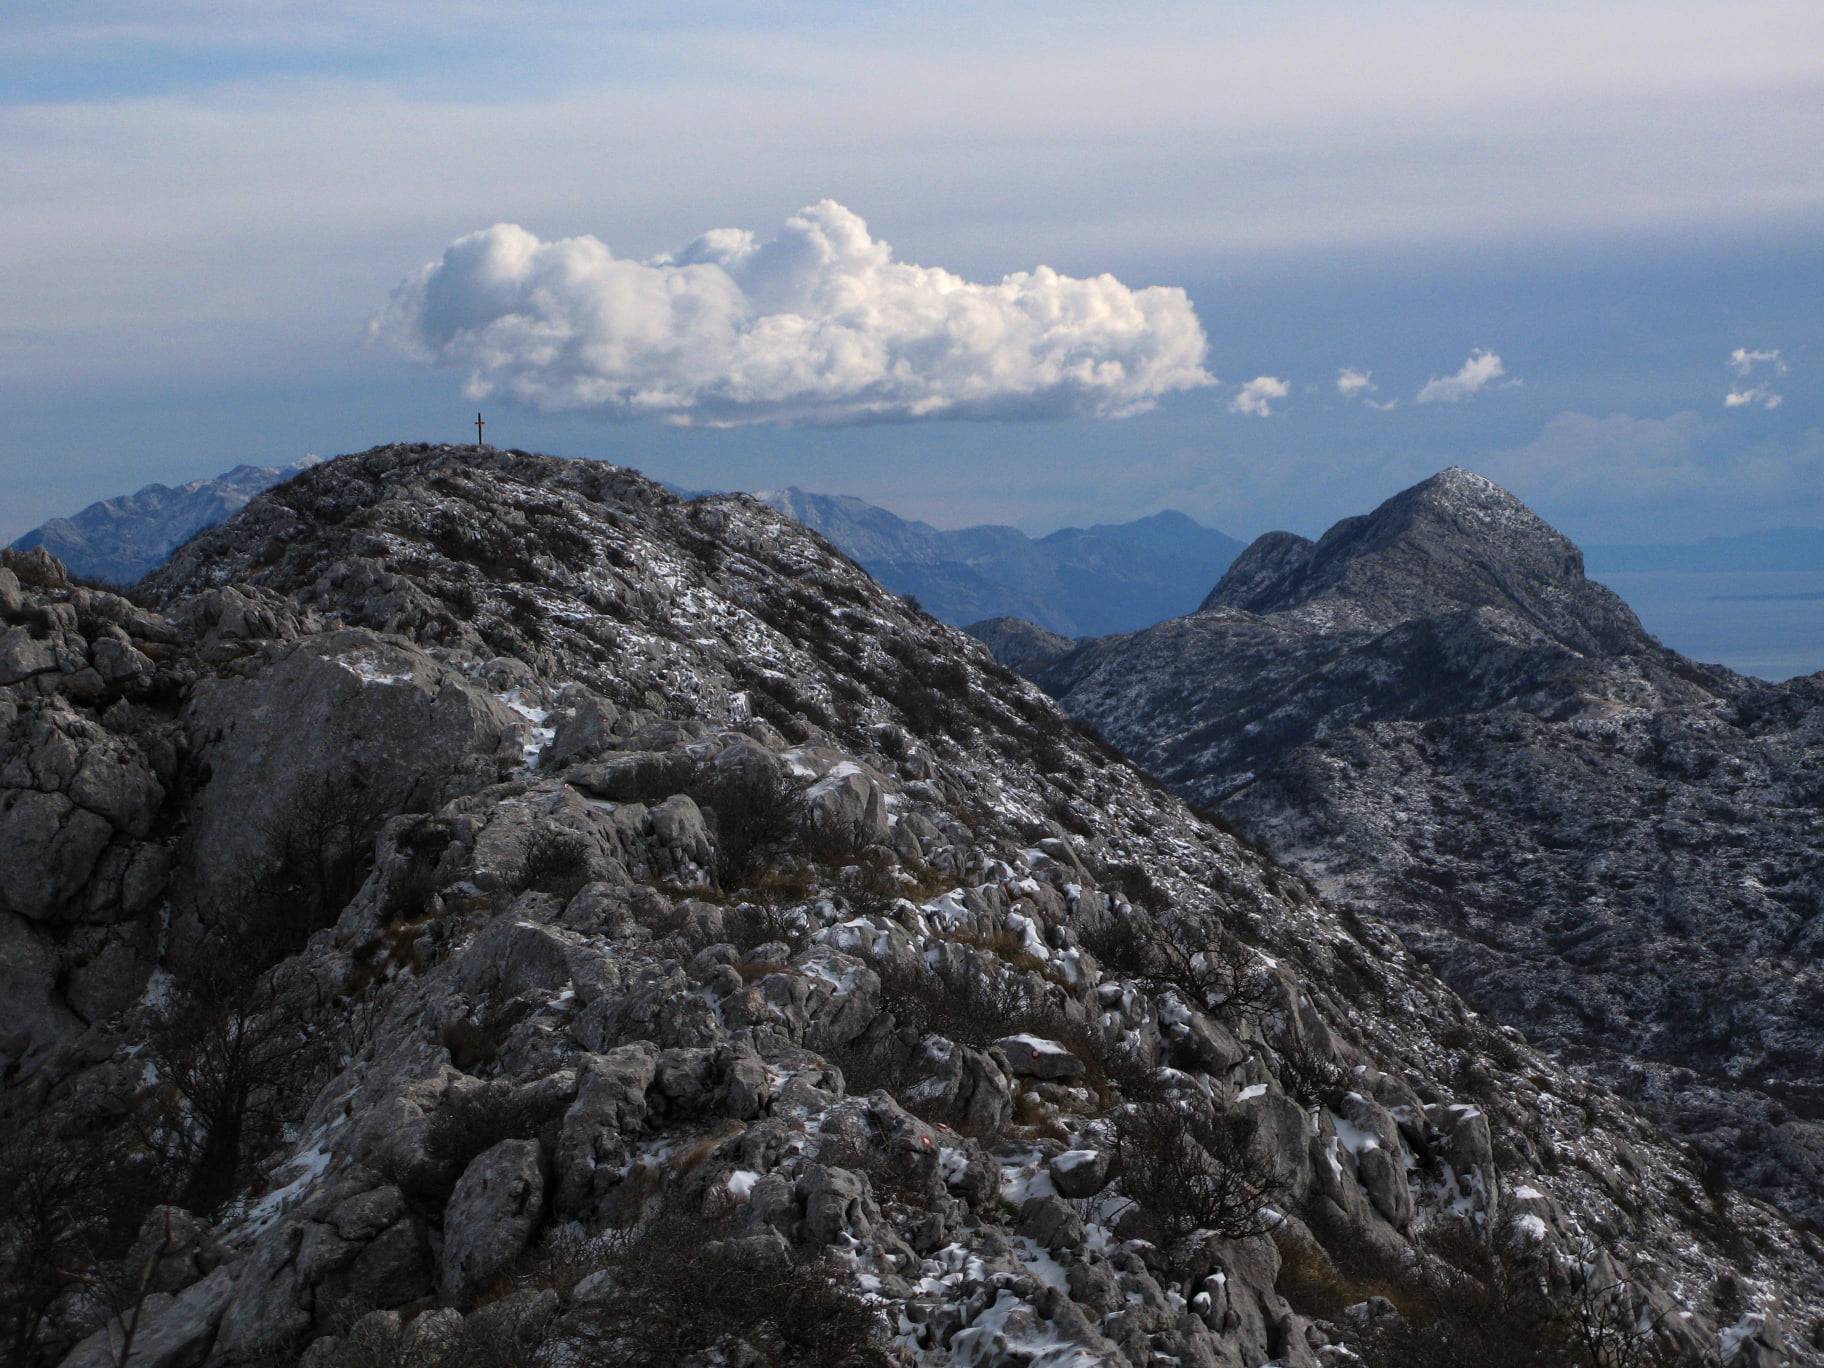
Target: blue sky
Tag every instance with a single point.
(206, 210)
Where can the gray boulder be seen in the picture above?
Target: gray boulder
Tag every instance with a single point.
(171, 1332)
(836, 1203)
(1080, 1173)
(847, 804)
(1029, 1056)
(492, 1215)
(346, 711)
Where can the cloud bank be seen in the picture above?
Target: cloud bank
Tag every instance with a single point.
(818, 324)
(1481, 370)
(1747, 364)
(1258, 394)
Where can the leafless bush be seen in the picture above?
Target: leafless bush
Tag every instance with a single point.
(474, 1120)
(1137, 886)
(753, 810)
(1216, 974)
(235, 1052)
(1335, 1266)
(475, 1041)
(72, 1206)
(556, 862)
(677, 1292)
(1190, 1169)
(1488, 1299)
(975, 1011)
(765, 921)
(319, 847)
(900, 1176)
(872, 1061)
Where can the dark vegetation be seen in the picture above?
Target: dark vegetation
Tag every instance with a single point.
(753, 810)
(1192, 1170)
(674, 1288)
(67, 1222)
(677, 1288)
(1214, 972)
(239, 1043)
(556, 862)
(1465, 1296)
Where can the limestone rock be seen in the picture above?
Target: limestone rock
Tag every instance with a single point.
(492, 1215)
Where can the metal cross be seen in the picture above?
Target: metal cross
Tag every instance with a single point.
(478, 427)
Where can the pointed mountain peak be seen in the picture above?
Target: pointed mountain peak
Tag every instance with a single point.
(1453, 542)
(1462, 482)
(1455, 489)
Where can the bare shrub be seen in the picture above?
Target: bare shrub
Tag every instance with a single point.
(1337, 1265)
(1310, 1078)
(898, 1176)
(72, 1206)
(1191, 1170)
(1137, 886)
(556, 862)
(874, 1061)
(1214, 973)
(678, 1293)
(475, 1044)
(319, 847)
(764, 921)
(1488, 1299)
(976, 1011)
(235, 1052)
(753, 810)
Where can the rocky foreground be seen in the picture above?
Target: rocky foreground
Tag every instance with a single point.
(1433, 715)
(483, 909)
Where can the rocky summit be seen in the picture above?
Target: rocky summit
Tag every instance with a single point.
(477, 908)
(1433, 715)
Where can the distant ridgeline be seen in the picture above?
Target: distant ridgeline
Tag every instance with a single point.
(122, 539)
(1090, 581)
(1078, 581)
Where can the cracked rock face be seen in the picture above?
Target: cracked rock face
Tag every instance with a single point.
(1432, 714)
(815, 942)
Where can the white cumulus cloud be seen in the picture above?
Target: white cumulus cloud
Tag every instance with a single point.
(1258, 394)
(1748, 365)
(818, 323)
(1481, 370)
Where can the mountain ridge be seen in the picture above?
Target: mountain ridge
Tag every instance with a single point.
(706, 919)
(1586, 832)
(1453, 541)
(1074, 581)
(120, 539)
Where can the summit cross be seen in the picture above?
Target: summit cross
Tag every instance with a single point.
(478, 427)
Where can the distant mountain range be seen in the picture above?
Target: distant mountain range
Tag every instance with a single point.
(121, 539)
(1113, 577)
(1782, 548)
(1078, 581)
